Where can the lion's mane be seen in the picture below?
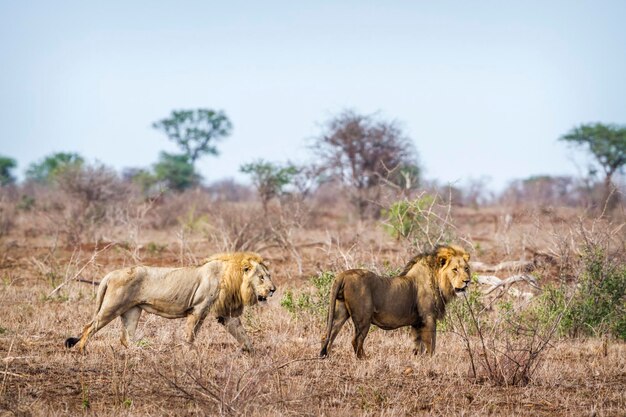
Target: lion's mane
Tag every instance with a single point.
(234, 293)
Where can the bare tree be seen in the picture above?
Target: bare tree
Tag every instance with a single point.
(364, 152)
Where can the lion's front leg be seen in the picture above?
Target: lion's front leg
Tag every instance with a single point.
(235, 328)
(419, 347)
(427, 334)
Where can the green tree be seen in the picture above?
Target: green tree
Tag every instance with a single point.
(176, 171)
(607, 143)
(269, 179)
(53, 165)
(195, 131)
(6, 165)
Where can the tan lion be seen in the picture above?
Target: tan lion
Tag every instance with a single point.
(416, 298)
(223, 285)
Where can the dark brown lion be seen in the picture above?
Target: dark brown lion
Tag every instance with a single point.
(416, 298)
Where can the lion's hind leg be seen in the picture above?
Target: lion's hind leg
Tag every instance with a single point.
(194, 321)
(129, 321)
(102, 318)
(361, 329)
(340, 317)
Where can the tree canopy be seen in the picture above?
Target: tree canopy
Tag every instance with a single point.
(6, 166)
(195, 131)
(53, 165)
(268, 178)
(175, 171)
(607, 144)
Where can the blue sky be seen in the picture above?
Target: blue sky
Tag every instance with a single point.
(483, 88)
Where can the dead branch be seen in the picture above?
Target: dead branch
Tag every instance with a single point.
(87, 281)
(77, 274)
(495, 283)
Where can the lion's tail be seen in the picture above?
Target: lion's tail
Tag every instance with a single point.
(102, 289)
(334, 292)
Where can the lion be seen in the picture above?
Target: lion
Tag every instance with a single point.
(223, 285)
(416, 298)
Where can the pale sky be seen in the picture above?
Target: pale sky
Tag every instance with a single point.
(484, 88)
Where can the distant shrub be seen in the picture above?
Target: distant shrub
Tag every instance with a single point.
(307, 302)
(83, 199)
(155, 249)
(26, 203)
(48, 169)
(424, 222)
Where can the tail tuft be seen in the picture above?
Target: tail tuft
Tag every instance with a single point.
(71, 341)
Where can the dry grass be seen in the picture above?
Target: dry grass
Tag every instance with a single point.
(160, 376)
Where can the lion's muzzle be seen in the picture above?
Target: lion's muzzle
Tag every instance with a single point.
(463, 288)
(269, 294)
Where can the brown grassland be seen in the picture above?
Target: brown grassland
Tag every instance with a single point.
(161, 376)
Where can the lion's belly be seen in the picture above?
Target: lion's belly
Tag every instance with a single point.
(165, 309)
(393, 309)
(391, 321)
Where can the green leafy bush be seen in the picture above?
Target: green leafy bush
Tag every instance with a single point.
(599, 304)
(310, 302)
(596, 306)
(423, 222)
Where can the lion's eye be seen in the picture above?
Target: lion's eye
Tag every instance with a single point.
(261, 278)
(455, 270)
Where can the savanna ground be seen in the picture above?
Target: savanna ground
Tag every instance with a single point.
(45, 251)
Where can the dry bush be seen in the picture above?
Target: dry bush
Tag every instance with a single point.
(81, 201)
(169, 208)
(133, 220)
(505, 349)
(8, 210)
(229, 190)
(237, 227)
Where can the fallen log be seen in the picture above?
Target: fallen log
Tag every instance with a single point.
(503, 266)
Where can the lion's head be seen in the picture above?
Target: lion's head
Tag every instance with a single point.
(453, 274)
(257, 276)
(245, 280)
(447, 266)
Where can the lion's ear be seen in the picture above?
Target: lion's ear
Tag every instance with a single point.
(466, 256)
(443, 256)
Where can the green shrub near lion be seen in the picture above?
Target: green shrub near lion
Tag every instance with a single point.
(416, 298)
(222, 286)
